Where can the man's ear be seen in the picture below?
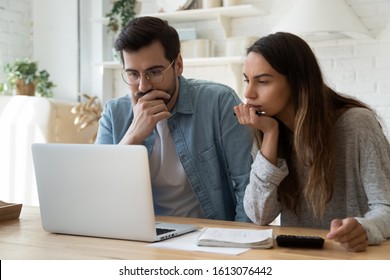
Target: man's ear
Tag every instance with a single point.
(179, 65)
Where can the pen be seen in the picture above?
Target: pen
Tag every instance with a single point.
(259, 113)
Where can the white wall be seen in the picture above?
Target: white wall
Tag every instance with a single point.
(45, 31)
(15, 31)
(55, 44)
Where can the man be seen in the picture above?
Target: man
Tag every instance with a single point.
(199, 154)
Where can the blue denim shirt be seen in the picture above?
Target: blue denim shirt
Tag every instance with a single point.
(214, 149)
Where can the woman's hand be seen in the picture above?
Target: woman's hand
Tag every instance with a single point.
(349, 233)
(247, 115)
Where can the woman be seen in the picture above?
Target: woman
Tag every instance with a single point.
(323, 159)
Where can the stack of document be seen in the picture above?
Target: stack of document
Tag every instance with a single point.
(240, 238)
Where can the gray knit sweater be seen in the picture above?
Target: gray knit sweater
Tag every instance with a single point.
(361, 188)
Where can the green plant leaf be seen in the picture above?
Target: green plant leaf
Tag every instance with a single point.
(27, 70)
(121, 13)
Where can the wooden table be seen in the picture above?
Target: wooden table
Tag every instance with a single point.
(24, 239)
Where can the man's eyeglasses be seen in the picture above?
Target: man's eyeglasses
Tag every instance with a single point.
(154, 75)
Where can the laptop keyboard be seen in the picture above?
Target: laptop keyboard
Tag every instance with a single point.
(160, 231)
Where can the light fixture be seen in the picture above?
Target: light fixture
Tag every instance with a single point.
(322, 20)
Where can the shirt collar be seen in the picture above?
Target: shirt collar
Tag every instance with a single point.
(184, 103)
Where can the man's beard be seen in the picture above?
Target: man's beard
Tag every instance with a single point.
(171, 91)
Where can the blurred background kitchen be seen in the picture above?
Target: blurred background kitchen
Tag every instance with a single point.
(72, 40)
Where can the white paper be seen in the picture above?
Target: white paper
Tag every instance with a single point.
(187, 242)
(239, 236)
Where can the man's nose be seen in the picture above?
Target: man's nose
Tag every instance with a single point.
(144, 83)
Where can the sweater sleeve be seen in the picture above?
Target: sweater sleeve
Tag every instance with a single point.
(374, 168)
(376, 181)
(261, 201)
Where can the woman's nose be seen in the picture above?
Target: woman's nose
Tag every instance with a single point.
(250, 93)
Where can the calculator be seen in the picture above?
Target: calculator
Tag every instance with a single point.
(300, 241)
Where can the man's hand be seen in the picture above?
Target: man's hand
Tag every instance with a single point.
(349, 233)
(148, 109)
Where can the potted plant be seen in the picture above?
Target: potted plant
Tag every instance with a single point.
(121, 13)
(23, 75)
(44, 87)
(2, 88)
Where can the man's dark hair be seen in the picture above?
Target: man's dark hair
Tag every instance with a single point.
(143, 31)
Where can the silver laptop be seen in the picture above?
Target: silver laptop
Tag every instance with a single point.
(98, 190)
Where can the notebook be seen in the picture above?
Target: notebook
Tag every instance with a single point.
(98, 190)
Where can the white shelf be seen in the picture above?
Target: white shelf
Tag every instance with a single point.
(212, 13)
(212, 61)
(100, 20)
(189, 62)
(222, 14)
(109, 65)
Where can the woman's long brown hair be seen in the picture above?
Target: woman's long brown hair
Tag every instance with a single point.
(310, 148)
